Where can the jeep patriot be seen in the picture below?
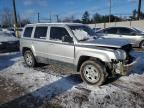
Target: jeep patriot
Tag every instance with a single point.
(77, 46)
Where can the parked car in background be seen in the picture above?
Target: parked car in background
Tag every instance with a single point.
(133, 35)
(76, 46)
(8, 42)
(12, 31)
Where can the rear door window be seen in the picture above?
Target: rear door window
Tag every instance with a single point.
(40, 32)
(28, 32)
(111, 31)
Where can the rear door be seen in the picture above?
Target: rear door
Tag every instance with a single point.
(40, 43)
(58, 50)
(25, 40)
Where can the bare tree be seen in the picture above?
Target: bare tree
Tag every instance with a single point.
(23, 22)
(7, 18)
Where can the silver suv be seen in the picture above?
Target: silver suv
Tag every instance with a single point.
(75, 46)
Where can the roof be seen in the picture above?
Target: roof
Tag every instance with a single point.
(54, 24)
(119, 27)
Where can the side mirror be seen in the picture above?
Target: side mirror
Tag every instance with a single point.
(67, 39)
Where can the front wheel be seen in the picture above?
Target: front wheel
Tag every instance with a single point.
(29, 58)
(92, 72)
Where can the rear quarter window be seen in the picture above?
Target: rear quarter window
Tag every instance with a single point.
(28, 32)
(125, 31)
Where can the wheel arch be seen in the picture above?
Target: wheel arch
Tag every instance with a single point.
(28, 48)
(83, 58)
(141, 43)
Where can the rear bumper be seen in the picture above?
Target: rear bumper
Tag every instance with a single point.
(124, 69)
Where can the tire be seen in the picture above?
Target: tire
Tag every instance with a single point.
(29, 58)
(93, 72)
(142, 44)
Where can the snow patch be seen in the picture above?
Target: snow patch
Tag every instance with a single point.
(81, 34)
(127, 91)
(4, 37)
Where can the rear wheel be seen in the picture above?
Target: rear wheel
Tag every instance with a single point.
(142, 45)
(29, 58)
(93, 72)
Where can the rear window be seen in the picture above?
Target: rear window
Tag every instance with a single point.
(125, 31)
(40, 32)
(28, 32)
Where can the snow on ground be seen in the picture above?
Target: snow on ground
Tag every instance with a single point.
(8, 59)
(4, 37)
(68, 91)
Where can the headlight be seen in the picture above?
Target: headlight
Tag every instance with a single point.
(120, 54)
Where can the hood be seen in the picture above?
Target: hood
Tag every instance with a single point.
(105, 42)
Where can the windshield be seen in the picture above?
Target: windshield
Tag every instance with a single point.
(82, 32)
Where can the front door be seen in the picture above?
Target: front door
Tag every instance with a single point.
(59, 50)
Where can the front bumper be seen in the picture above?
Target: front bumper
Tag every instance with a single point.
(124, 69)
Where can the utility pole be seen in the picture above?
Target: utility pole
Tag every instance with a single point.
(38, 17)
(57, 18)
(15, 18)
(109, 11)
(139, 10)
(50, 19)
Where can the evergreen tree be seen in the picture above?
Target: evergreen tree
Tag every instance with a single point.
(86, 18)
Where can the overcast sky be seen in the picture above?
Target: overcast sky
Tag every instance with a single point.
(64, 8)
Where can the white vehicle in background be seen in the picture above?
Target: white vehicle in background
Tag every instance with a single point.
(13, 31)
(133, 35)
(8, 42)
(10, 31)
